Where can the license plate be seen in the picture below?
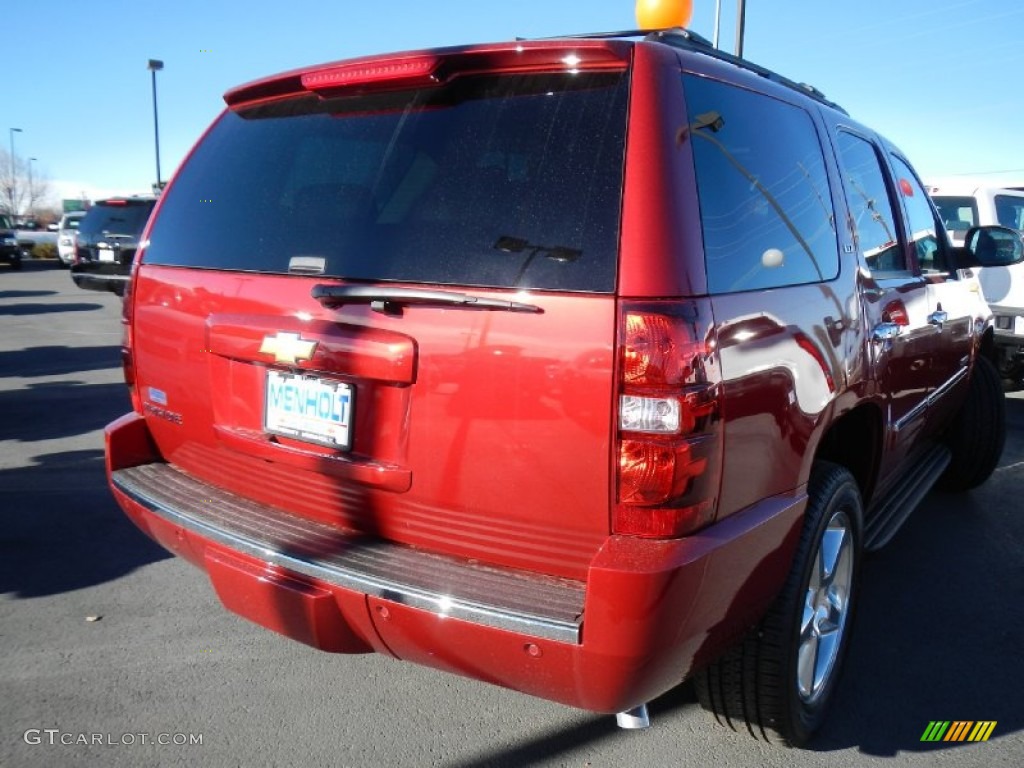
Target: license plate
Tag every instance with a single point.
(104, 254)
(1018, 325)
(309, 408)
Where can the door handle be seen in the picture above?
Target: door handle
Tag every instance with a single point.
(885, 332)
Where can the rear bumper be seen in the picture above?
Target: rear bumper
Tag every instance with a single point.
(648, 614)
(94, 277)
(549, 609)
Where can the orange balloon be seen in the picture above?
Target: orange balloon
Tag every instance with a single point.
(659, 14)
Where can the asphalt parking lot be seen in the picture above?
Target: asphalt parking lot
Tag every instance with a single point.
(109, 647)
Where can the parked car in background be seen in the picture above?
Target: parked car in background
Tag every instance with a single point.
(67, 229)
(963, 206)
(10, 248)
(580, 366)
(108, 236)
(31, 233)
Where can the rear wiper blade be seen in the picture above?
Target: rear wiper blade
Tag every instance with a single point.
(559, 253)
(390, 301)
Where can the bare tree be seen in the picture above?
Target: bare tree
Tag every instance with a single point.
(22, 187)
(10, 193)
(38, 192)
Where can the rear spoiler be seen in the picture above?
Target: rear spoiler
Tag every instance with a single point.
(428, 68)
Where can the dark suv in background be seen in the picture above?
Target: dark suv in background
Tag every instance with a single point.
(579, 366)
(108, 236)
(10, 250)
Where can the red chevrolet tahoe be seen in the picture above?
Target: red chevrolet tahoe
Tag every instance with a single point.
(579, 366)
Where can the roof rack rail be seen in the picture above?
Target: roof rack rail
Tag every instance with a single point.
(682, 32)
(680, 37)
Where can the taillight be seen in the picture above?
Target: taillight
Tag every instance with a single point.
(896, 312)
(127, 347)
(669, 436)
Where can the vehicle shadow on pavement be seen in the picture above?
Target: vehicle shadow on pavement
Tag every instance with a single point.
(1014, 417)
(57, 360)
(26, 294)
(43, 309)
(51, 410)
(567, 741)
(39, 265)
(938, 635)
(60, 529)
(940, 629)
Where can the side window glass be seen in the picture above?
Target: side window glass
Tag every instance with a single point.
(765, 205)
(1010, 211)
(958, 214)
(922, 226)
(867, 196)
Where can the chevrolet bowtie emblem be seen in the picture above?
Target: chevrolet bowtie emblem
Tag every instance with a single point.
(287, 347)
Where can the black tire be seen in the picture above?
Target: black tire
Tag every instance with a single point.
(978, 431)
(16, 262)
(756, 686)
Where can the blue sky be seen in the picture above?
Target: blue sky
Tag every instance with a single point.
(940, 78)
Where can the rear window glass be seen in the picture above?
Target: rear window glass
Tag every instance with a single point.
(127, 219)
(510, 181)
(765, 203)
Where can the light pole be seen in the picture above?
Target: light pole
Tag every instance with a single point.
(741, 21)
(154, 66)
(13, 187)
(718, 21)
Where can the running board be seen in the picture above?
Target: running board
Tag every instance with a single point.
(886, 517)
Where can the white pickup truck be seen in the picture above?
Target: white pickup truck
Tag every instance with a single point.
(965, 205)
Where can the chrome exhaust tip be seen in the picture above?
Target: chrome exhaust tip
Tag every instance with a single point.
(634, 719)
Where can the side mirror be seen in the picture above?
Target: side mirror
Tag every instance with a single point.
(991, 246)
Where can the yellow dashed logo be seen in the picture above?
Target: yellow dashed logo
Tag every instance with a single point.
(958, 730)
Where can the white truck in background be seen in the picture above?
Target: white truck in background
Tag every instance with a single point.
(963, 205)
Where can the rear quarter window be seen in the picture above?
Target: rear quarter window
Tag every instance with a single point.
(765, 204)
(511, 181)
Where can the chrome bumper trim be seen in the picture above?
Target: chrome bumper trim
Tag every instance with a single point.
(517, 601)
